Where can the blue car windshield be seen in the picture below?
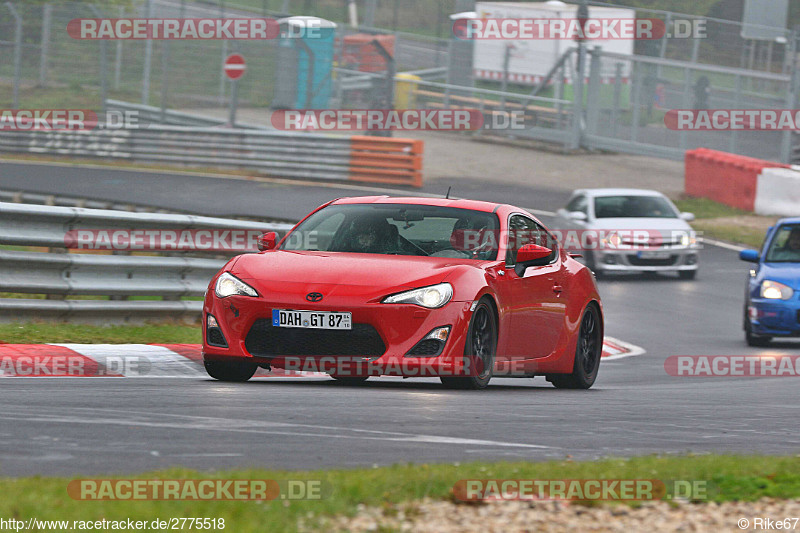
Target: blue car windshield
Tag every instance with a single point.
(785, 245)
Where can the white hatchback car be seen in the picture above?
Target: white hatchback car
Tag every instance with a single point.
(629, 230)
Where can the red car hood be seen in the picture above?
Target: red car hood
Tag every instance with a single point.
(339, 273)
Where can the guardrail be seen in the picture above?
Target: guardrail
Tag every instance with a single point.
(275, 153)
(61, 275)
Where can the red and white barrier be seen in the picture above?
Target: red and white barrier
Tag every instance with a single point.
(154, 360)
(726, 178)
(778, 192)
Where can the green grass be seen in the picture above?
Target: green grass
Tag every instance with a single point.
(705, 208)
(722, 222)
(729, 478)
(46, 332)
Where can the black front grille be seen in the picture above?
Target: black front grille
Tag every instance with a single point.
(427, 347)
(265, 340)
(214, 337)
(639, 262)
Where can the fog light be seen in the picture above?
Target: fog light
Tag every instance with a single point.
(211, 322)
(610, 260)
(439, 334)
(753, 313)
(691, 259)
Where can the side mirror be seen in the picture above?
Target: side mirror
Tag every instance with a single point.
(267, 241)
(751, 256)
(531, 255)
(578, 216)
(688, 217)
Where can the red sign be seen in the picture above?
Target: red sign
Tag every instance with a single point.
(234, 66)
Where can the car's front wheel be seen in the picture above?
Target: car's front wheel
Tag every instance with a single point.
(587, 354)
(757, 341)
(230, 371)
(480, 349)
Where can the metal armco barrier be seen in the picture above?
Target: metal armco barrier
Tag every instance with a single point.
(276, 153)
(117, 276)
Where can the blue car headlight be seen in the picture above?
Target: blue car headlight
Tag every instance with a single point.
(772, 290)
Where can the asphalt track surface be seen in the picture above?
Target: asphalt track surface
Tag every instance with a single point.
(74, 426)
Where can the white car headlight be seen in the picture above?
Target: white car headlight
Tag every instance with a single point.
(228, 285)
(772, 290)
(431, 297)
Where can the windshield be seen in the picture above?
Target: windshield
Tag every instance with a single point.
(785, 246)
(633, 207)
(398, 229)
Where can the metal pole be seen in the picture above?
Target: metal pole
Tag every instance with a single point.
(164, 80)
(786, 145)
(737, 102)
(17, 54)
(148, 57)
(47, 12)
(234, 102)
(103, 63)
(118, 57)
(224, 56)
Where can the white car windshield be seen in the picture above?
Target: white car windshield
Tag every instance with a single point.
(633, 207)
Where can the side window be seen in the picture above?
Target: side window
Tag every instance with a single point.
(523, 230)
(579, 203)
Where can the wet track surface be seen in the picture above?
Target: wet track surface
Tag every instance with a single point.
(71, 426)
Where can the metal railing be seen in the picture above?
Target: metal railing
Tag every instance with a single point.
(272, 152)
(59, 276)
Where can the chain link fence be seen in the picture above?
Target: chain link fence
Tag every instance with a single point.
(623, 105)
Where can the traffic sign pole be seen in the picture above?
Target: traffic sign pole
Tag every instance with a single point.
(234, 68)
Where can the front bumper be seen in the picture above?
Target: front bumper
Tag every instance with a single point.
(669, 259)
(775, 318)
(400, 328)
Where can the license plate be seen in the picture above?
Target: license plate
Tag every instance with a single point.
(285, 318)
(654, 255)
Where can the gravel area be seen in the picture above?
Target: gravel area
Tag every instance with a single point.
(551, 516)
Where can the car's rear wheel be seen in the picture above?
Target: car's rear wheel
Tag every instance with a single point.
(350, 380)
(480, 350)
(752, 339)
(587, 354)
(230, 371)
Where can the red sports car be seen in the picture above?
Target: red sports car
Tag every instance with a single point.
(458, 289)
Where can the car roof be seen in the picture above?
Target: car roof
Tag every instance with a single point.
(475, 205)
(791, 220)
(619, 192)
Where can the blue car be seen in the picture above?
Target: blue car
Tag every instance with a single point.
(772, 302)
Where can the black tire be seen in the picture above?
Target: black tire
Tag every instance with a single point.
(230, 371)
(350, 380)
(756, 341)
(479, 351)
(587, 354)
(687, 274)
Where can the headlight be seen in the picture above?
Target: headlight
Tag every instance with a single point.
(772, 290)
(228, 285)
(431, 297)
(688, 239)
(611, 240)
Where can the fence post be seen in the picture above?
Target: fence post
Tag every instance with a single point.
(148, 56)
(118, 57)
(786, 144)
(577, 104)
(103, 63)
(47, 11)
(737, 103)
(17, 54)
(617, 98)
(593, 92)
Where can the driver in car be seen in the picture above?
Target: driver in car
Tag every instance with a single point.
(790, 251)
(373, 235)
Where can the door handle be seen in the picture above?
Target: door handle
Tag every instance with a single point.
(558, 289)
